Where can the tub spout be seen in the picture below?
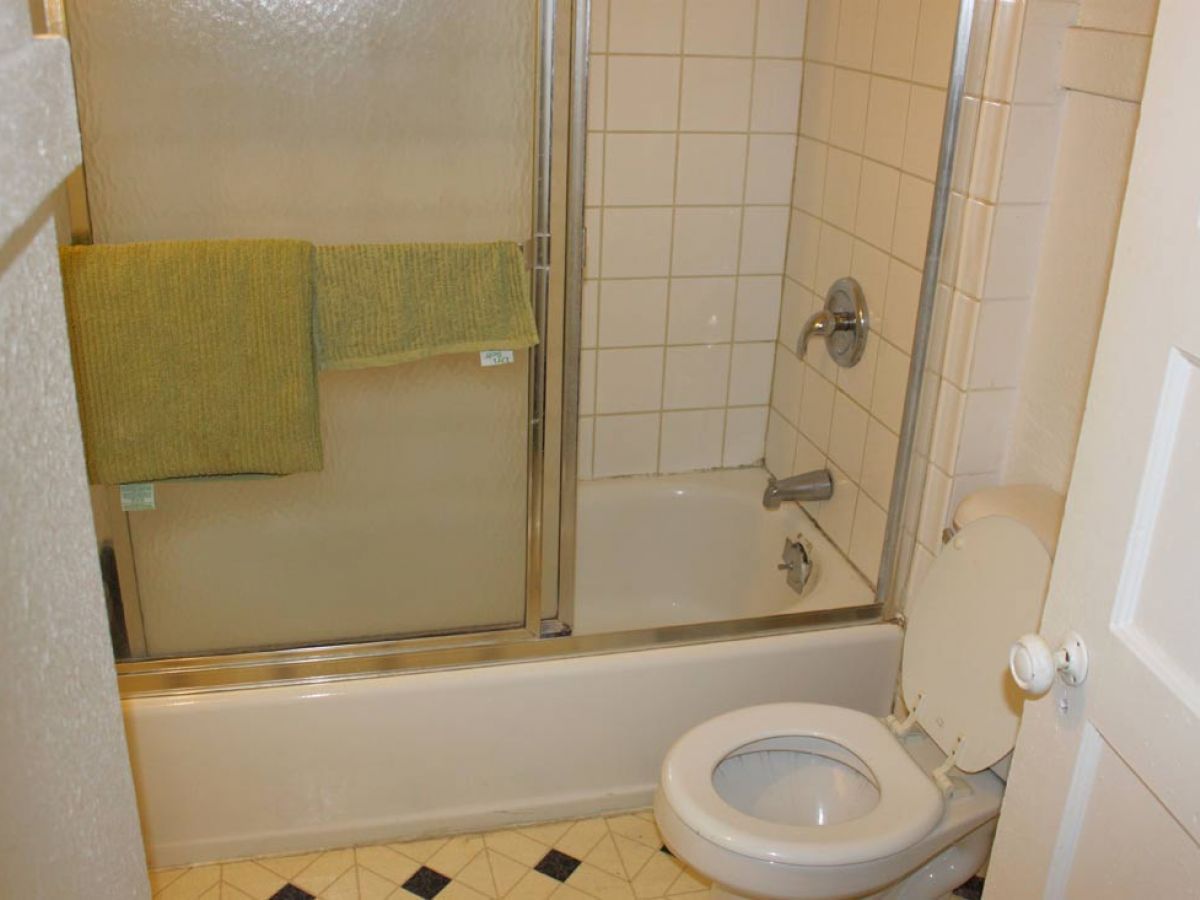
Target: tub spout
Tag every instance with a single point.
(815, 485)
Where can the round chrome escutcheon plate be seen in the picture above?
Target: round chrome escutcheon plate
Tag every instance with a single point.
(848, 342)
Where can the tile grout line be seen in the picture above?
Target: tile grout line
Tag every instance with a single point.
(737, 292)
(599, 248)
(662, 387)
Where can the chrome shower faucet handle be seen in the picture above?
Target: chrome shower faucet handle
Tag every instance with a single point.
(844, 323)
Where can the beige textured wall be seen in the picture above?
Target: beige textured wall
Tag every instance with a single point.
(1104, 63)
(69, 826)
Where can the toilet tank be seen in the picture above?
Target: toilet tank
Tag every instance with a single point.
(1038, 508)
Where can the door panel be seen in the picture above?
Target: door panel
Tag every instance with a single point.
(1126, 834)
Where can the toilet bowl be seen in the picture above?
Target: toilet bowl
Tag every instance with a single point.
(802, 800)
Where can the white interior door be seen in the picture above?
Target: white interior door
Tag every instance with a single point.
(1104, 795)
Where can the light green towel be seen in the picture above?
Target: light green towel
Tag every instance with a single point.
(380, 304)
(193, 358)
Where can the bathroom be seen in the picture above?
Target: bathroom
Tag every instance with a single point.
(791, 302)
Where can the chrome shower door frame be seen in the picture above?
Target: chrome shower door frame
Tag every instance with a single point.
(916, 427)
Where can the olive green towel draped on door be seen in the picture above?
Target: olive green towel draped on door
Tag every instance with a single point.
(196, 358)
(380, 304)
(193, 358)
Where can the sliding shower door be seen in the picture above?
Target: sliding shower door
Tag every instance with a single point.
(368, 121)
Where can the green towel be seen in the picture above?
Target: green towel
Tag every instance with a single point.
(193, 358)
(379, 304)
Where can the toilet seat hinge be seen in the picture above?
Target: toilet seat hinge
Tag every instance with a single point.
(941, 775)
(900, 729)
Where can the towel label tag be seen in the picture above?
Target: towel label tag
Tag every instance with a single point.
(496, 357)
(137, 497)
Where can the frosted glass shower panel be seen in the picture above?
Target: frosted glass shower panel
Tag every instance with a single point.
(334, 121)
(331, 120)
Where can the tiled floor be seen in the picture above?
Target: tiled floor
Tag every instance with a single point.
(612, 858)
(620, 857)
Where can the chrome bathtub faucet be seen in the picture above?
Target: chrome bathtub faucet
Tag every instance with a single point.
(814, 485)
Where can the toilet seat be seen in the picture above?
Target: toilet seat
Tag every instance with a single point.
(909, 806)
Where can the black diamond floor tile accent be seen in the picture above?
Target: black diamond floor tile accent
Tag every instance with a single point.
(291, 892)
(972, 890)
(426, 883)
(557, 865)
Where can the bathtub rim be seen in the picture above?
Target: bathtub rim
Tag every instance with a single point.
(374, 659)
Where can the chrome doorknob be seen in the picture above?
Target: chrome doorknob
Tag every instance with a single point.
(844, 323)
(1034, 665)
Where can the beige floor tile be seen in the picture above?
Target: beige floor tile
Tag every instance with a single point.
(532, 886)
(372, 886)
(621, 860)
(288, 867)
(516, 846)
(689, 881)
(344, 888)
(546, 833)
(457, 853)
(636, 828)
(456, 890)
(633, 854)
(192, 884)
(605, 856)
(323, 871)
(598, 883)
(581, 837)
(160, 878)
(656, 876)
(506, 872)
(477, 874)
(385, 861)
(251, 878)
(420, 850)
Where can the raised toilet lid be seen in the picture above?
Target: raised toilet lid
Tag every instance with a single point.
(985, 590)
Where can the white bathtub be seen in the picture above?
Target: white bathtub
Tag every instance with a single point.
(669, 550)
(290, 769)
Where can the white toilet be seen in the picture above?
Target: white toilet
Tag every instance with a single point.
(803, 800)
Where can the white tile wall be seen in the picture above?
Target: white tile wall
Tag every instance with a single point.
(1014, 117)
(744, 154)
(693, 113)
(870, 125)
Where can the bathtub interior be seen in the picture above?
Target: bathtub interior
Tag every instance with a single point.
(664, 550)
